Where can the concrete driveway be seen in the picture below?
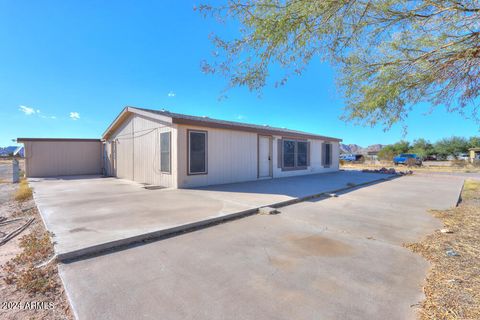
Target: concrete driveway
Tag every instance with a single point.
(337, 258)
(88, 214)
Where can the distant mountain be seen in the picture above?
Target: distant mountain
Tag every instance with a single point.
(356, 149)
(6, 151)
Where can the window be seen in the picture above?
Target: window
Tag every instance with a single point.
(288, 154)
(301, 153)
(197, 152)
(327, 154)
(294, 154)
(165, 139)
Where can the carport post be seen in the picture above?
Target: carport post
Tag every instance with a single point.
(15, 171)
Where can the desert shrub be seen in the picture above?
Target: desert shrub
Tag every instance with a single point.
(21, 270)
(459, 163)
(411, 162)
(24, 191)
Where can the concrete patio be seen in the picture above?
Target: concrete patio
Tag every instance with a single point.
(88, 214)
(335, 258)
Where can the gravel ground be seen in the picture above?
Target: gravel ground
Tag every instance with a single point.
(16, 303)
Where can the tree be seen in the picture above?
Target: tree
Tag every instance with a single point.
(390, 54)
(451, 146)
(392, 150)
(474, 142)
(422, 147)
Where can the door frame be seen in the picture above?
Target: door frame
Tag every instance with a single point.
(270, 151)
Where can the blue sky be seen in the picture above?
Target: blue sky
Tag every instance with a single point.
(67, 68)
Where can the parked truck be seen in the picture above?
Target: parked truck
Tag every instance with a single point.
(407, 159)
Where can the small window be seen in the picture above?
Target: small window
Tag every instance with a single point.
(328, 154)
(197, 152)
(165, 139)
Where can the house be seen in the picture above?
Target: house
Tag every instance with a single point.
(180, 151)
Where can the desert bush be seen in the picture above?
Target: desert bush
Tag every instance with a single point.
(411, 162)
(24, 191)
(21, 270)
(459, 163)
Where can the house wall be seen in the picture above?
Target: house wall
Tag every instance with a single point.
(138, 151)
(63, 158)
(232, 157)
(315, 160)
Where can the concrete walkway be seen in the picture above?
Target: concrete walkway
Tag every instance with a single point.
(336, 258)
(92, 214)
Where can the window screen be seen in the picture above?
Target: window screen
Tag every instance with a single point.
(165, 151)
(197, 149)
(295, 154)
(301, 154)
(288, 153)
(328, 154)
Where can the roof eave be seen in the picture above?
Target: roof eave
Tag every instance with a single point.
(267, 131)
(126, 112)
(22, 140)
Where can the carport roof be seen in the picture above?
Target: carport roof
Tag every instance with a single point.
(210, 123)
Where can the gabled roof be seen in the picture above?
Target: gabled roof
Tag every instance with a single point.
(171, 117)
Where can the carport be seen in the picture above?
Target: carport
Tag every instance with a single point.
(62, 157)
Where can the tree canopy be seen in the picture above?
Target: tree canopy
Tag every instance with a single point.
(390, 54)
(442, 148)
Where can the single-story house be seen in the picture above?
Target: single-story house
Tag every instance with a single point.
(180, 151)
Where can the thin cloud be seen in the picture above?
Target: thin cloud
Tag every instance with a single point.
(240, 117)
(36, 112)
(171, 94)
(47, 117)
(74, 115)
(27, 110)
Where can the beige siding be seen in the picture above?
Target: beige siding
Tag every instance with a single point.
(232, 157)
(63, 158)
(138, 151)
(315, 160)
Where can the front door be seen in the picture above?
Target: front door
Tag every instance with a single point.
(264, 156)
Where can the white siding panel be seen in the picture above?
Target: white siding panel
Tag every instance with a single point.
(124, 144)
(315, 160)
(232, 157)
(63, 158)
(138, 151)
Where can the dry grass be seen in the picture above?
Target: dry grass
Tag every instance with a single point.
(452, 287)
(22, 270)
(24, 192)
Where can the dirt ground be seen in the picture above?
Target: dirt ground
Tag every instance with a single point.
(452, 287)
(430, 166)
(25, 302)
